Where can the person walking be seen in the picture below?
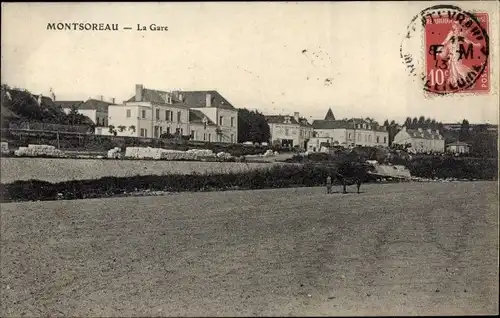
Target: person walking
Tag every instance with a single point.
(329, 184)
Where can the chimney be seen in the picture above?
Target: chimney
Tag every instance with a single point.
(296, 116)
(102, 97)
(209, 100)
(138, 92)
(39, 100)
(181, 98)
(113, 100)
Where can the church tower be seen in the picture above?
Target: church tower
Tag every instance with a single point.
(329, 115)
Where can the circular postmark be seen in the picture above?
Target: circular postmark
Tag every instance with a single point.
(447, 48)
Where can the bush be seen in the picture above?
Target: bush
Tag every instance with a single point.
(274, 177)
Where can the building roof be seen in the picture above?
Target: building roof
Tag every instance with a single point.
(457, 143)
(280, 119)
(190, 99)
(424, 134)
(68, 103)
(199, 99)
(346, 124)
(329, 115)
(96, 104)
(196, 117)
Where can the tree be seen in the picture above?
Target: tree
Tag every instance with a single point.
(414, 123)
(392, 129)
(427, 123)
(421, 122)
(464, 134)
(408, 122)
(252, 126)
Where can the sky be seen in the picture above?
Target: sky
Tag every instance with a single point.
(278, 58)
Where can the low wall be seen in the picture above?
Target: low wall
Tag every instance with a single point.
(58, 170)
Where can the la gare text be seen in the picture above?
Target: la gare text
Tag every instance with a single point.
(74, 26)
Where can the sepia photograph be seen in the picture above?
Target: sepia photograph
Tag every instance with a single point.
(245, 159)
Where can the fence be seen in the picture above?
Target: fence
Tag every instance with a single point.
(50, 127)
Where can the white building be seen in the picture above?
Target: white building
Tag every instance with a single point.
(202, 115)
(421, 140)
(355, 131)
(96, 110)
(289, 131)
(458, 147)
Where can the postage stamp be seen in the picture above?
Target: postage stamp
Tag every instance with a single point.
(457, 52)
(454, 46)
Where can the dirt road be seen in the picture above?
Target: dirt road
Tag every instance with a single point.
(415, 248)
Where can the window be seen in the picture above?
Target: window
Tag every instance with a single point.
(168, 130)
(157, 131)
(209, 137)
(129, 113)
(369, 138)
(287, 131)
(193, 134)
(161, 130)
(385, 140)
(359, 137)
(378, 139)
(144, 132)
(167, 115)
(204, 136)
(182, 131)
(157, 114)
(143, 114)
(232, 137)
(350, 136)
(220, 120)
(177, 131)
(364, 126)
(232, 121)
(179, 117)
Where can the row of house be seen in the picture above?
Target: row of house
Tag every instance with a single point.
(293, 130)
(208, 116)
(201, 115)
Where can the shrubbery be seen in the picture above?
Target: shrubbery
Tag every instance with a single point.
(274, 177)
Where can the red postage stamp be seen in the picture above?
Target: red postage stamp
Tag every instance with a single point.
(456, 52)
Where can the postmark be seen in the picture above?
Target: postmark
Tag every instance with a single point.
(447, 48)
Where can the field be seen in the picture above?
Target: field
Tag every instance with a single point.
(57, 170)
(411, 248)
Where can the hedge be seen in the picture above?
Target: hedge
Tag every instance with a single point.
(274, 177)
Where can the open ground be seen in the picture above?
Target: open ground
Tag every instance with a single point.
(410, 248)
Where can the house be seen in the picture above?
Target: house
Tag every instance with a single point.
(349, 132)
(202, 115)
(319, 143)
(95, 109)
(149, 113)
(215, 108)
(289, 131)
(421, 140)
(201, 127)
(458, 147)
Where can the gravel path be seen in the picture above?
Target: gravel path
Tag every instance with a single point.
(404, 249)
